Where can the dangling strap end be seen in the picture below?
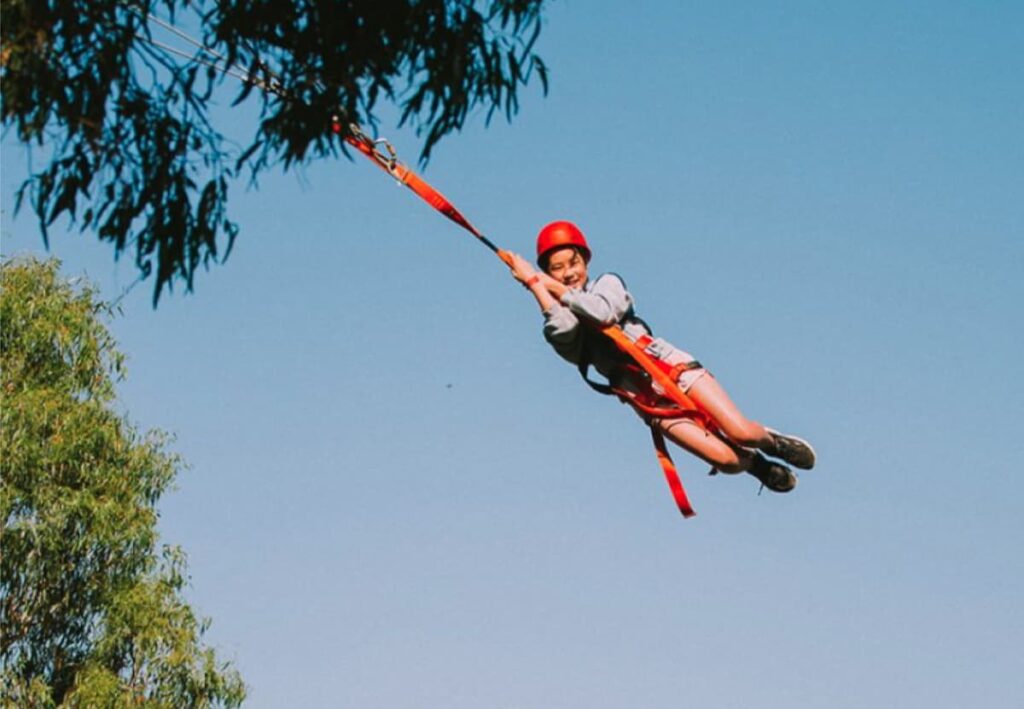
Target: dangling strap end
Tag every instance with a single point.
(671, 474)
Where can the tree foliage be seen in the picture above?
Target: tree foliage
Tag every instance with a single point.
(92, 613)
(132, 152)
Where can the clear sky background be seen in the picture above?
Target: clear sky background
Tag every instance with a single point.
(400, 497)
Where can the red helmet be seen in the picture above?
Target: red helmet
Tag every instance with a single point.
(558, 234)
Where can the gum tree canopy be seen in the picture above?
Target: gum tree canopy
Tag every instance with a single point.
(91, 612)
(123, 117)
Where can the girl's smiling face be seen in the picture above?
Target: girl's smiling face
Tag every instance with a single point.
(568, 267)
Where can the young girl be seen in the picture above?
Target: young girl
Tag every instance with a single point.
(572, 304)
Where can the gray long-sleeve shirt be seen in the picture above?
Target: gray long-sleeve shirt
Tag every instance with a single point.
(604, 301)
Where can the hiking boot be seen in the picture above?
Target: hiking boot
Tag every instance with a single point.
(795, 451)
(774, 476)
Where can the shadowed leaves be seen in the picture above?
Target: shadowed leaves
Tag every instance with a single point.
(123, 117)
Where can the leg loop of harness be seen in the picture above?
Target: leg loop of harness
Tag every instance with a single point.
(669, 402)
(677, 370)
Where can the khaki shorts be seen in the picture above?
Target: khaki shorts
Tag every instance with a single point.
(674, 356)
(690, 377)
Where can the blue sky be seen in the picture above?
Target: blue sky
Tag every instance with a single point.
(398, 496)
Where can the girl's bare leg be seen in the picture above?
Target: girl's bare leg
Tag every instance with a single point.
(726, 456)
(711, 397)
(716, 452)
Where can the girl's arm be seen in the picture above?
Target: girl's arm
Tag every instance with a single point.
(543, 287)
(561, 326)
(606, 302)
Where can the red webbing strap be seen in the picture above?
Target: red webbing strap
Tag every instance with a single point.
(413, 181)
(432, 197)
(649, 365)
(671, 474)
(661, 412)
